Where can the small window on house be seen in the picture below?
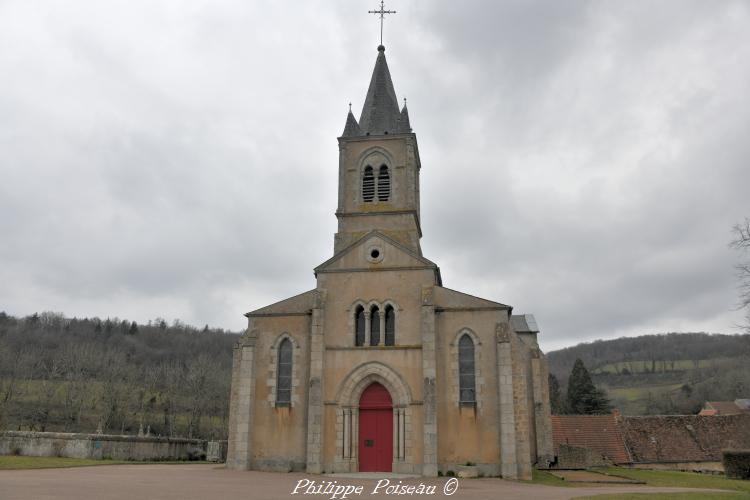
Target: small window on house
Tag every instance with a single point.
(359, 329)
(374, 325)
(384, 184)
(368, 185)
(390, 326)
(284, 374)
(466, 383)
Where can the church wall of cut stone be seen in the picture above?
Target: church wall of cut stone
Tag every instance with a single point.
(464, 377)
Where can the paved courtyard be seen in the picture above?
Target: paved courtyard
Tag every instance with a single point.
(187, 482)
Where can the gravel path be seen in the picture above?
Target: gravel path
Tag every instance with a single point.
(187, 482)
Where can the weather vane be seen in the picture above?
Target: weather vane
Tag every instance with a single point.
(382, 13)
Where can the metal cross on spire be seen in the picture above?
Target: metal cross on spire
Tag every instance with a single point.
(382, 13)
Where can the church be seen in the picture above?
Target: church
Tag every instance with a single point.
(380, 367)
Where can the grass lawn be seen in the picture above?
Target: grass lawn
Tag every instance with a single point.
(544, 477)
(19, 462)
(680, 479)
(659, 478)
(666, 496)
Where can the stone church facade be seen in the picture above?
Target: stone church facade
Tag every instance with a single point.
(380, 367)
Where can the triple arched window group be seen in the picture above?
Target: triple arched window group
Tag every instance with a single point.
(376, 187)
(373, 326)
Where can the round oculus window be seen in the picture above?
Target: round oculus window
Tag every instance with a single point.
(374, 254)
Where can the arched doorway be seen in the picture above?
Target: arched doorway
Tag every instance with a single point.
(375, 429)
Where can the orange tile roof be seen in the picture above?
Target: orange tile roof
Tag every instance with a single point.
(684, 438)
(723, 408)
(600, 433)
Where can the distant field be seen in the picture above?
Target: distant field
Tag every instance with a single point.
(645, 366)
(670, 373)
(634, 400)
(635, 386)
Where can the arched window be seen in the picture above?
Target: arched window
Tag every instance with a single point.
(374, 325)
(368, 184)
(467, 393)
(390, 326)
(284, 374)
(359, 329)
(384, 184)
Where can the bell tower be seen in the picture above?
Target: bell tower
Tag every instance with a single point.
(379, 168)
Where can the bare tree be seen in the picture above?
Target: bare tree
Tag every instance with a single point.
(113, 395)
(17, 367)
(742, 243)
(198, 385)
(49, 374)
(173, 376)
(146, 394)
(75, 366)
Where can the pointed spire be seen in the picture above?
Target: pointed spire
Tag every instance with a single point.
(351, 129)
(404, 127)
(380, 114)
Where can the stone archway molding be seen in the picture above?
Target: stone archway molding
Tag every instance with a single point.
(358, 379)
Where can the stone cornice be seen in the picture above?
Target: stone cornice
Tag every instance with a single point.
(264, 315)
(384, 212)
(439, 309)
(374, 347)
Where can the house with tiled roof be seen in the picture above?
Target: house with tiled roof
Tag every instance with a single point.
(736, 407)
(674, 442)
(684, 442)
(598, 433)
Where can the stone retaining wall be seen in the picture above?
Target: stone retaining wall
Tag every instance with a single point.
(98, 446)
(711, 467)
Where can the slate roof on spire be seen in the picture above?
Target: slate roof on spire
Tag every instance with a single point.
(351, 129)
(380, 114)
(404, 127)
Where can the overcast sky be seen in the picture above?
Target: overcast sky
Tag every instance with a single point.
(583, 161)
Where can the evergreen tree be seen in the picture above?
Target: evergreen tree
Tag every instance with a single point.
(584, 398)
(556, 402)
(133, 328)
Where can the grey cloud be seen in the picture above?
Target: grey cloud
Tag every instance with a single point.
(182, 162)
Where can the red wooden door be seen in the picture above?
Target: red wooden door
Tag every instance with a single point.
(375, 429)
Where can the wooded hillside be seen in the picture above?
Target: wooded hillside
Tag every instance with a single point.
(60, 374)
(671, 373)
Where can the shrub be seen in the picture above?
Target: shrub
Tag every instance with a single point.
(195, 453)
(736, 464)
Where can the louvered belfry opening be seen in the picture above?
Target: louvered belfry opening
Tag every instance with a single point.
(466, 382)
(368, 185)
(359, 319)
(374, 325)
(390, 326)
(384, 184)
